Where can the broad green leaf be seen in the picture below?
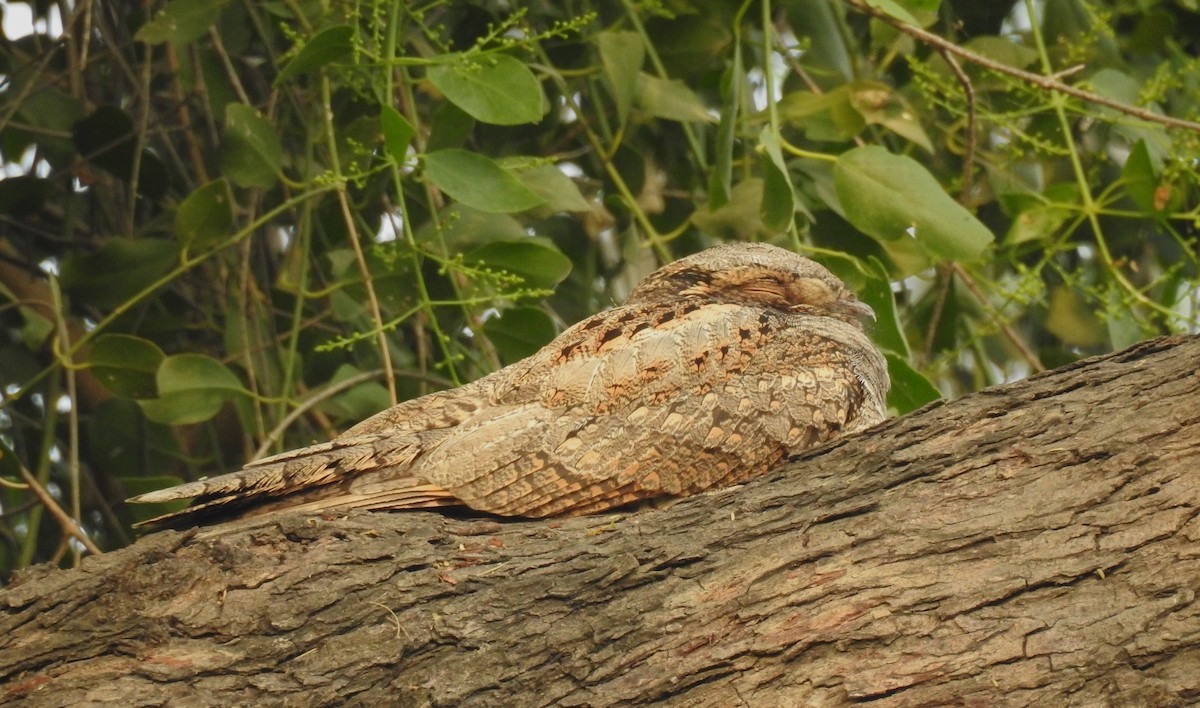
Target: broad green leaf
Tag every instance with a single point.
(450, 127)
(894, 9)
(670, 99)
(740, 218)
(358, 402)
(126, 365)
(479, 182)
(1072, 321)
(119, 270)
(122, 442)
(910, 390)
(519, 332)
(827, 117)
(496, 89)
(460, 228)
(54, 112)
(558, 190)
(1143, 185)
(181, 21)
(887, 331)
(779, 197)
(107, 138)
(325, 47)
(820, 25)
(205, 218)
(189, 372)
(538, 263)
(251, 153)
(397, 133)
(1037, 223)
(1126, 326)
(878, 104)
(23, 195)
(622, 55)
(191, 389)
(1123, 88)
(891, 197)
(1002, 50)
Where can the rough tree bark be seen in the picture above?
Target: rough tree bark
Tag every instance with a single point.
(1036, 543)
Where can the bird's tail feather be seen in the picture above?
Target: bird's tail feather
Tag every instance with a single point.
(324, 476)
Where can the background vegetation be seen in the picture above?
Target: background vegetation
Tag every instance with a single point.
(232, 227)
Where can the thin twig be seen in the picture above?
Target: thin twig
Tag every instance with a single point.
(1009, 333)
(1050, 83)
(968, 167)
(63, 519)
(939, 306)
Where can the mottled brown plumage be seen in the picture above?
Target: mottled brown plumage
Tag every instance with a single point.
(715, 370)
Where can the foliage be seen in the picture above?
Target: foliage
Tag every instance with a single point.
(232, 225)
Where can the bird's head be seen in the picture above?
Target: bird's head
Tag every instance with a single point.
(754, 274)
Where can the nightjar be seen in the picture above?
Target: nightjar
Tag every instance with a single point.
(716, 369)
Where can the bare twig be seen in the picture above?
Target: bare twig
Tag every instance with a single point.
(64, 520)
(1010, 334)
(968, 167)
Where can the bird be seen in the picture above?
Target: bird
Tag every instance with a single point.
(717, 369)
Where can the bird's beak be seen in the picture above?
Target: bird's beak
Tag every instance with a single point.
(857, 307)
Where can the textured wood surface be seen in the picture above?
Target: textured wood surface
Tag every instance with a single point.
(1033, 544)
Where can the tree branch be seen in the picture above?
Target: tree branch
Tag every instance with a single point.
(1034, 542)
(1050, 83)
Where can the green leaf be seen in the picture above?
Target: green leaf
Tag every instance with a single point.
(54, 112)
(910, 390)
(1037, 223)
(450, 127)
(325, 47)
(740, 218)
(878, 104)
(251, 153)
(670, 99)
(191, 389)
(495, 89)
(779, 197)
(1140, 175)
(891, 197)
(126, 365)
(122, 442)
(519, 332)
(205, 218)
(894, 9)
(1002, 50)
(877, 293)
(1071, 320)
(24, 195)
(107, 138)
(622, 55)
(558, 190)
(479, 182)
(181, 21)
(459, 228)
(397, 133)
(119, 270)
(538, 263)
